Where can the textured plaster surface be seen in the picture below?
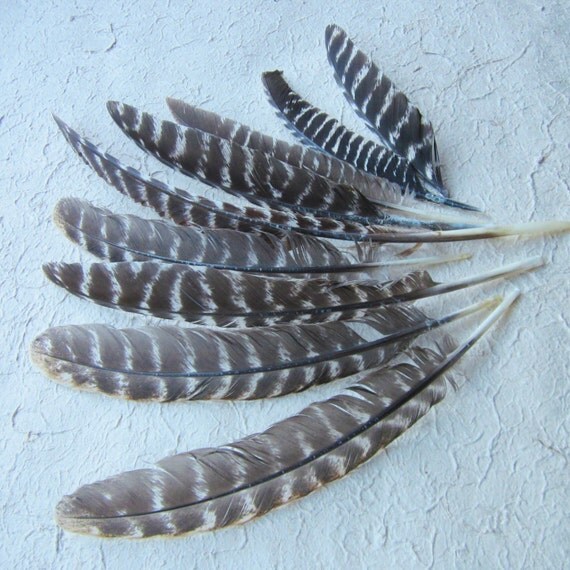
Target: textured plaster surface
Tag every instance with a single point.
(482, 481)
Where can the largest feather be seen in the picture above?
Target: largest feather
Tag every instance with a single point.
(173, 363)
(215, 487)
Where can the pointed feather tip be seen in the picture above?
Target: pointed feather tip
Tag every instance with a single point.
(116, 110)
(60, 123)
(177, 107)
(68, 133)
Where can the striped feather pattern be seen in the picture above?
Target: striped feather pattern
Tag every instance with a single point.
(171, 363)
(329, 134)
(387, 110)
(215, 487)
(185, 208)
(254, 175)
(130, 238)
(301, 156)
(207, 273)
(209, 296)
(212, 488)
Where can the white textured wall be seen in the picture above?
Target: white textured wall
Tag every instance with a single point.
(483, 480)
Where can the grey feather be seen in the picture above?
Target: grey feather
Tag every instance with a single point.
(173, 363)
(130, 238)
(207, 296)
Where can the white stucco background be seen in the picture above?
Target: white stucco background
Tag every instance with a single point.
(482, 481)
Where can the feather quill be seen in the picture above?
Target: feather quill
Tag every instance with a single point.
(385, 109)
(184, 208)
(212, 488)
(209, 296)
(173, 363)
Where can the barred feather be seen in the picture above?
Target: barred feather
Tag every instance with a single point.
(301, 156)
(209, 296)
(329, 134)
(387, 111)
(325, 132)
(260, 178)
(174, 363)
(216, 487)
(184, 209)
(129, 238)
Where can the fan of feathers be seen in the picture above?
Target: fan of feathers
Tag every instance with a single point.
(285, 287)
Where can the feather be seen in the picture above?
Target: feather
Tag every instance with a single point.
(209, 296)
(387, 111)
(184, 208)
(297, 155)
(129, 238)
(322, 130)
(251, 174)
(211, 488)
(376, 189)
(325, 132)
(173, 363)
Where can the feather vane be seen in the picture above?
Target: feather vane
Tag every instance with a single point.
(130, 238)
(325, 132)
